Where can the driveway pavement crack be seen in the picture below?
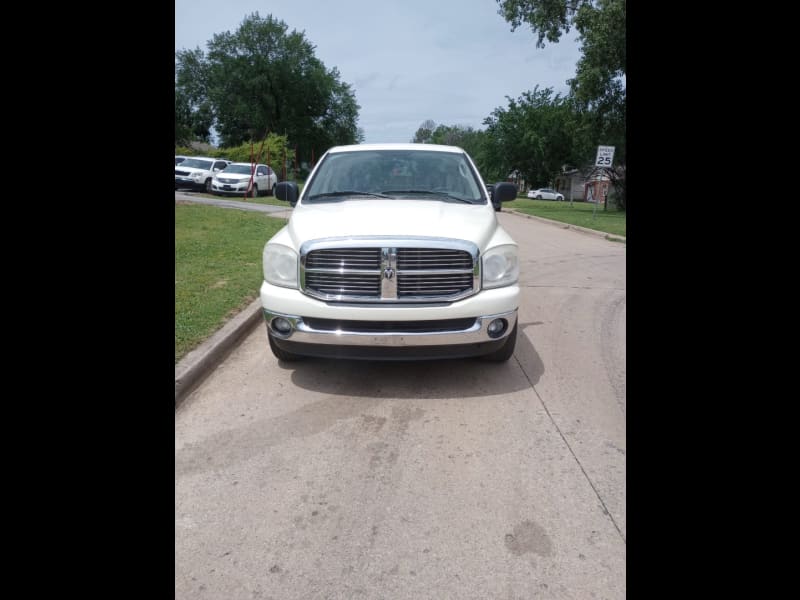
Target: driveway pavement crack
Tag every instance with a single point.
(585, 474)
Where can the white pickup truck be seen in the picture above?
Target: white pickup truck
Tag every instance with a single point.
(392, 252)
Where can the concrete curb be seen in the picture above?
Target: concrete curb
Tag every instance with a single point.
(563, 225)
(198, 363)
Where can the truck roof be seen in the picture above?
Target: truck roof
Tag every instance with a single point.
(396, 146)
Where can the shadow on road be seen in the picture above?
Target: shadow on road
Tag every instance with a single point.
(354, 389)
(437, 379)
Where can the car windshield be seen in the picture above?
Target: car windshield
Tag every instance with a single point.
(421, 174)
(197, 163)
(245, 169)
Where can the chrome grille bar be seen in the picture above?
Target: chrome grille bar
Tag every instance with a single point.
(389, 270)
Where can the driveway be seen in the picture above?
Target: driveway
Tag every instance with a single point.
(450, 479)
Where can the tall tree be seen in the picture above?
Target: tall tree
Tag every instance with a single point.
(262, 78)
(599, 85)
(425, 132)
(535, 135)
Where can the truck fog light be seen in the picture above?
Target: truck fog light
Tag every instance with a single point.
(497, 327)
(281, 325)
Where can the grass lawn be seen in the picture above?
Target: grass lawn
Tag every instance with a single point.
(217, 267)
(611, 221)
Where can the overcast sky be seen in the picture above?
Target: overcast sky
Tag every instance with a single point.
(453, 61)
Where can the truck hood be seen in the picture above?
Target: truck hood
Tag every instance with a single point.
(362, 217)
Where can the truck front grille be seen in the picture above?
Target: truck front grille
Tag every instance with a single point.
(390, 271)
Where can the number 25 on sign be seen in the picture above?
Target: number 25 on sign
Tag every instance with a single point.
(605, 156)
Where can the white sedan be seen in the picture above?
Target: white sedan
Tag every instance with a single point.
(545, 194)
(235, 179)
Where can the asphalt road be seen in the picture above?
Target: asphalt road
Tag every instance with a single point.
(452, 479)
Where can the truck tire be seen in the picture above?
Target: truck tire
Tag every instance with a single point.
(506, 351)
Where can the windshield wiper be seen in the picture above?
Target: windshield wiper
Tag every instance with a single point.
(347, 193)
(430, 192)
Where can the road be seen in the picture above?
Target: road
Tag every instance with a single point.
(452, 479)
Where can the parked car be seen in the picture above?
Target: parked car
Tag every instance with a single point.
(179, 159)
(392, 251)
(196, 172)
(545, 194)
(235, 179)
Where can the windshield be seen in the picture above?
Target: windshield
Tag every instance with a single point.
(245, 169)
(197, 163)
(422, 174)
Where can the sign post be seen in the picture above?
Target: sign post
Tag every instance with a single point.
(603, 160)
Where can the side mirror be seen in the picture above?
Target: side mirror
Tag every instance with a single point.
(504, 192)
(287, 191)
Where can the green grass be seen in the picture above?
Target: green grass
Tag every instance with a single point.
(217, 267)
(611, 221)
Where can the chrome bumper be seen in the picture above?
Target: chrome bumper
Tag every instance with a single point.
(476, 333)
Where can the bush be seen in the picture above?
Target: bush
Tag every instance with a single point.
(275, 146)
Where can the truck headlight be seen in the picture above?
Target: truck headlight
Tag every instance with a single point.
(500, 267)
(280, 265)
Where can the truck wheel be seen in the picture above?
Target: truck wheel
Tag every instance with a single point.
(281, 354)
(507, 350)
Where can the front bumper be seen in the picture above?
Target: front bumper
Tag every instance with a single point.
(405, 332)
(393, 334)
(230, 188)
(188, 182)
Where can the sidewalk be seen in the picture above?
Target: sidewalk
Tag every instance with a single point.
(602, 234)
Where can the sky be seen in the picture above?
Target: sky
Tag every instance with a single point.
(452, 61)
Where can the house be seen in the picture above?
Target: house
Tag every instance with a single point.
(571, 183)
(583, 185)
(517, 179)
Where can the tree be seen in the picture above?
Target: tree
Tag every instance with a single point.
(264, 78)
(599, 85)
(183, 119)
(425, 132)
(547, 18)
(537, 134)
(192, 121)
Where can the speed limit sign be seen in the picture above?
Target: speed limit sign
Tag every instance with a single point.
(605, 156)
